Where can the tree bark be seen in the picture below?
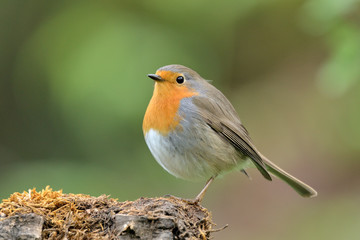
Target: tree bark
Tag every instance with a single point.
(33, 215)
(23, 226)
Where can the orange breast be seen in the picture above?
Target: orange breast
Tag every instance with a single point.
(161, 114)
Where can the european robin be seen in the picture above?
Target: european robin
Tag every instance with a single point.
(194, 132)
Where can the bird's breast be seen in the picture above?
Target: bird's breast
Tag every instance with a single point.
(162, 112)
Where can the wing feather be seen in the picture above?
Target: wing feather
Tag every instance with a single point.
(227, 124)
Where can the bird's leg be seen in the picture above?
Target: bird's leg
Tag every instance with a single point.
(201, 195)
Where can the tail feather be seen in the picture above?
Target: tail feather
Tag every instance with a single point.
(302, 188)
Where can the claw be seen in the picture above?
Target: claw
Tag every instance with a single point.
(198, 198)
(188, 201)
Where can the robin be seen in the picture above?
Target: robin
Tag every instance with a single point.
(194, 132)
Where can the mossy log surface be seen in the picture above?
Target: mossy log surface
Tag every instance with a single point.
(49, 214)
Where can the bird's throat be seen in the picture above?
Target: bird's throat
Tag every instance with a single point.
(162, 111)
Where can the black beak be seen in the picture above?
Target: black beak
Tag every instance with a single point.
(155, 77)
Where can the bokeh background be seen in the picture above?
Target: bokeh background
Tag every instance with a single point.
(73, 92)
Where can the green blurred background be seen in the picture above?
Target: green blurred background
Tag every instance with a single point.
(73, 92)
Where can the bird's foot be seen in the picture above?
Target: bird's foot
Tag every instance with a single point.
(195, 201)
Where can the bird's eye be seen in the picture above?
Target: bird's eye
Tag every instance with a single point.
(180, 79)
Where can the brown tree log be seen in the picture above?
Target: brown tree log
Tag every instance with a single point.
(53, 215)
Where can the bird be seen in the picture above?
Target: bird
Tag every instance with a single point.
(194, 132)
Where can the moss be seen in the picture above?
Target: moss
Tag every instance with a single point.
(78, 216)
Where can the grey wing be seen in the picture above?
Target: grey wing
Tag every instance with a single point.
(227, 124)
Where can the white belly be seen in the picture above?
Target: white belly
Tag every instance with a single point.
(195, 157)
